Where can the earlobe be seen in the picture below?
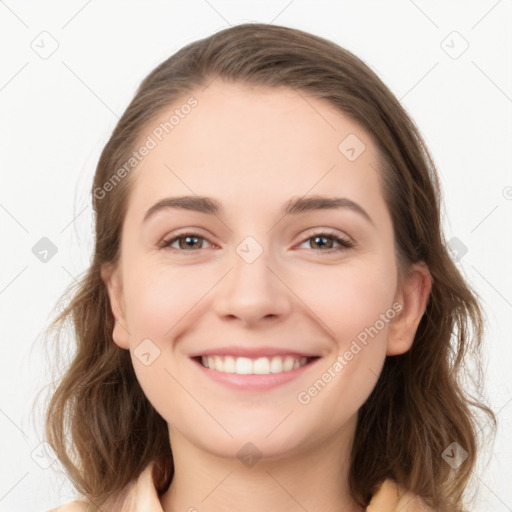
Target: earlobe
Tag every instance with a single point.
(113, 284)
(413, 296)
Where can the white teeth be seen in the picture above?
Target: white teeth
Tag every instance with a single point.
(288, 364)
(247, 366)
(229, 364)
(261, 366)
(276, 365)
(218, 362)
(243, 366)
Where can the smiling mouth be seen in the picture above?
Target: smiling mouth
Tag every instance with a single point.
(257, 366)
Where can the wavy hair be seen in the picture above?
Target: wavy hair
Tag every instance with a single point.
(98, 420)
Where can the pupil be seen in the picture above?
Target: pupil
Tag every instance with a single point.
(188, 239)
(320, 238)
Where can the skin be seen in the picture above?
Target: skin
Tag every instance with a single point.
(253, 149)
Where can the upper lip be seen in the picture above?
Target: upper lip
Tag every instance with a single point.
(252, 352)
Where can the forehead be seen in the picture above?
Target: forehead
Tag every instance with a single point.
(255, 147)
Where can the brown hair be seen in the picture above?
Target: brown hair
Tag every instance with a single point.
(100, 423)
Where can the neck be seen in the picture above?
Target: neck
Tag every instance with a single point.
(313, 480)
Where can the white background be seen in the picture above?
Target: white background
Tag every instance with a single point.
(58, 112)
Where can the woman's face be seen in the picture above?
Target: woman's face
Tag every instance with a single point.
(252, 279)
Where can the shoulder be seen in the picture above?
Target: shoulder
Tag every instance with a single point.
(72, 506)
(391, 497)
(140, 495)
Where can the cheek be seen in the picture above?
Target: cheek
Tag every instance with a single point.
(161, 296)
(162, 300)
(354, 304)
(357, 306)
(350, 298)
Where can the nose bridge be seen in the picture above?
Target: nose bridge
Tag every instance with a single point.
(252, 291)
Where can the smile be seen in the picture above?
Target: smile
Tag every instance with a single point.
(258, 366)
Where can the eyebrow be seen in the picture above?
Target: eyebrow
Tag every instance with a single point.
(293, 206)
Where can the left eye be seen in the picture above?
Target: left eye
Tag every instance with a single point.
(191, 241)
(320, 238)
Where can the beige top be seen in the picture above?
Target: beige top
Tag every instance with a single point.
(143, 497)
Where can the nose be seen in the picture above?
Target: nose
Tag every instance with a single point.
(253, 292)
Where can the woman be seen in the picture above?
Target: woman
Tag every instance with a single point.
(271, 320)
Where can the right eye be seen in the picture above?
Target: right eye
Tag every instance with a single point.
(187, 242)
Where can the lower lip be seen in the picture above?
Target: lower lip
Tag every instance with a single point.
(254, 382)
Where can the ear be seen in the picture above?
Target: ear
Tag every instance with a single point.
(412, 294)
(112, 280)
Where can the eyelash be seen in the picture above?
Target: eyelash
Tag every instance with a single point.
(345, 243)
